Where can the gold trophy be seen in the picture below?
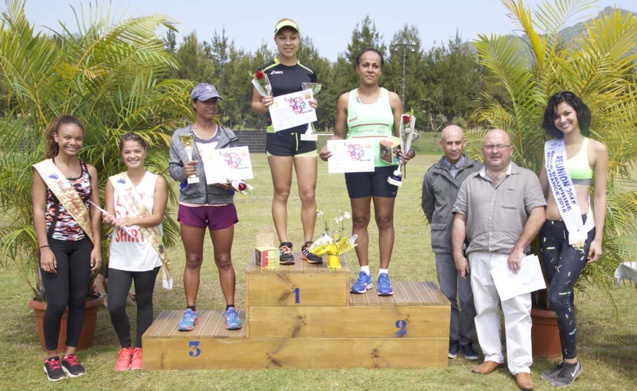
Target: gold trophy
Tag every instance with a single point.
(309, 134)
(188, 139)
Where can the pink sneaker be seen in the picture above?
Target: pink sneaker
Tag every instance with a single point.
(124, 359)
(137, 362)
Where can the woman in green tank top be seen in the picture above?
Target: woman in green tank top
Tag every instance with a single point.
(372, 112)
(567, 121)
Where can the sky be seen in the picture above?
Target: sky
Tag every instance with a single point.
(329, 23)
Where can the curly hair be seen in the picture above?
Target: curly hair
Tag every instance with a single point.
(582, 111)
(130, 136)
(52, 147)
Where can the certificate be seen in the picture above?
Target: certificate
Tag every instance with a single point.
(528, 279)
(292, 110)
(227, 163)
(352, 155)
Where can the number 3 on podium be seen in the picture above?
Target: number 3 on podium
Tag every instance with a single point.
(194, 349)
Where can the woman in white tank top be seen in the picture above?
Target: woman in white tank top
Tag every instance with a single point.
(136, 202)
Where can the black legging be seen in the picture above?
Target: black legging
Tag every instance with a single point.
(119, 283)
(563, 265)
(68, 287)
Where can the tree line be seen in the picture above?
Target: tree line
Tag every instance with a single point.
(441, 85)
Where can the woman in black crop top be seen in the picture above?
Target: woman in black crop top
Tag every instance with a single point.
(285, 149)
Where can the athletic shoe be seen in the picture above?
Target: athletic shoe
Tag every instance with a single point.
(188, 321)
(53, 369)
(552, 373)
(309, 256)
(232, 319)
(123, 359)
(469, 353)
(363, 283)
(72, 367)
(384, 285)
(137, 362)
(286, 257)
(454, 348)
(567, 375)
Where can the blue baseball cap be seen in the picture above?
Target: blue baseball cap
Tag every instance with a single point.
(204, 91)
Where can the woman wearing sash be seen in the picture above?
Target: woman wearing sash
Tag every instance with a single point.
(286, 149)
(68, 232)
(572, 234)
(374, 113)
(135, 201)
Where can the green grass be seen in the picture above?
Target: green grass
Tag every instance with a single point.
(607, 345)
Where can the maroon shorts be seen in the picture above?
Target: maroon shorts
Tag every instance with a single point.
(213, 217)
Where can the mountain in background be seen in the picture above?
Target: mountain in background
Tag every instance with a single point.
(568, 34)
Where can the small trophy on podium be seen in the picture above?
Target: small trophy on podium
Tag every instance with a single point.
(188, 139)
(407, 126)
(309, 134)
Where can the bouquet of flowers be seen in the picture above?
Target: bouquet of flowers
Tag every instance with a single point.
(334, 242)
(261, 82)
(407, 130)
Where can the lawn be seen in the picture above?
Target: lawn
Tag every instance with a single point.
(607, 345)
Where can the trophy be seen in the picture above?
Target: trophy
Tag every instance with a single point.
(309, 134)
(187, 139)
(407, 127)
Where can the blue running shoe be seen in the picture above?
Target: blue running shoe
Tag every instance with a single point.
(384, 286)
(232, 319)
(188, 321)
(363, 283)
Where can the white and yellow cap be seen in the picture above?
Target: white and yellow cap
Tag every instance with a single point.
(286, 22)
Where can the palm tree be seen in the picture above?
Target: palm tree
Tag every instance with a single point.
(108, 74)
(597, 65)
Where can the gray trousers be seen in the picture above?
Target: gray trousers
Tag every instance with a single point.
(458, 291)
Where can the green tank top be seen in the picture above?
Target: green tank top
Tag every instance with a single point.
(581, 173)
(373, 120)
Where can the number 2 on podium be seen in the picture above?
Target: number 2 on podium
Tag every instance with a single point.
(401, 325)
(297, 295)
(194, 349)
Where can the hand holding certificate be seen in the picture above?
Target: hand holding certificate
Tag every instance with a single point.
(528, 279)
(292, 110)
(226, 164)
(350, 155)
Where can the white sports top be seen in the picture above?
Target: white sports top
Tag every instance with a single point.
(133, 252)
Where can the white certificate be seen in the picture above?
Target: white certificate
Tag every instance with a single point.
(528, 279)
(292, 110)
(352, 155)
(227, 163)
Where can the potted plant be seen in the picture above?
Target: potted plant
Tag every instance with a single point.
(597, 66)
(107, 76)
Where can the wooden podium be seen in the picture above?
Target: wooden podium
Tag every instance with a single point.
(303, 316)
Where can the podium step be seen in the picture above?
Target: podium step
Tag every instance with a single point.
(211, 324)
(301, 284)
(263, 353)
(417, 310)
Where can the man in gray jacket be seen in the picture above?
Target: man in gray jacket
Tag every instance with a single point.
(439, 191)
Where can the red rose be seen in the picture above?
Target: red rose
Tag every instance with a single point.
(242, 185)
(406, 118)
(259, 75)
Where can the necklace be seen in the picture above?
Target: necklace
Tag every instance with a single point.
(69, 172)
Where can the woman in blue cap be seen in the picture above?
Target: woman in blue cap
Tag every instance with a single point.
(202, 205)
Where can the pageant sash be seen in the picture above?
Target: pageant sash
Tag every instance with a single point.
(66, 194)
(564, 193)
(134, 206)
